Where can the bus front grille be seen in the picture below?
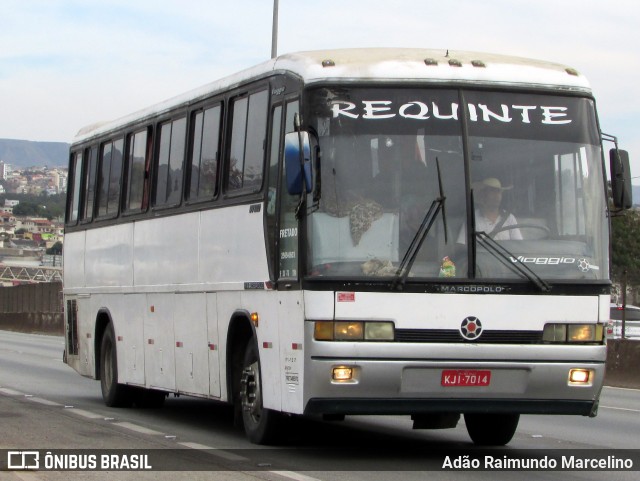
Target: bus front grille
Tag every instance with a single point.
(453, 336)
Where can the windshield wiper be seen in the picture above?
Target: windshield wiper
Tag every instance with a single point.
(416, 243)
(507, 258)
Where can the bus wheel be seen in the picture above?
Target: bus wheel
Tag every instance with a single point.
(114, 394)
(491, 429)
(261, 425)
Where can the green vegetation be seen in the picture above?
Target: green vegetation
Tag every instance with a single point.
(56, 249)
(626, 248)
(48, 206)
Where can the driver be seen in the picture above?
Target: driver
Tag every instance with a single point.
(490, 219)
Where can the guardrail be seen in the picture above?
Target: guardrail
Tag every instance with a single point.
(20, 274)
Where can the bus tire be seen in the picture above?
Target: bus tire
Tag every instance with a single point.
(491, 429)
(114, 394)
(261, 425)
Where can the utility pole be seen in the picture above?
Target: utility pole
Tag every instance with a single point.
(274, 31)
(624, 304)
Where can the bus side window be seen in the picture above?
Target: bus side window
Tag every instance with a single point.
(170, 162)
(110, 173)
(204, 157)
(74, 198)
(137, 155)
(89, 183)
(248, 135)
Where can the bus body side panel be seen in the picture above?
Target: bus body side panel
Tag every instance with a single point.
(82, 360)
(165, 251)
(74, 264)
(130, 339)
(159, 353)
(228, 303)
(109, 256)
(290, 373)
(213, 345)
(232, 246)
(191, 343)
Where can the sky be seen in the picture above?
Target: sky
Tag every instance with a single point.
(65, 64)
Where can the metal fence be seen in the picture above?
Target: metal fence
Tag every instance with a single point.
(32, 308)
(41, 297)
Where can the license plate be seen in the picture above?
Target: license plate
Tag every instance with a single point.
(465, 377)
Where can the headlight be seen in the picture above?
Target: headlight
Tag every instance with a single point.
(569, 333)
(353, 331)
(554, 333)
(348, 331)
(581, 333)
(378, 331)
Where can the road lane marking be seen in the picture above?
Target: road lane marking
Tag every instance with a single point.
(138, 429)
(622, 388)
(10, 392)
(85, 414)
(46, 402)
(294, 475)
(621, 409)
(215, 451)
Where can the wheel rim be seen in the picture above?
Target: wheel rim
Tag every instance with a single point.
(250, 392)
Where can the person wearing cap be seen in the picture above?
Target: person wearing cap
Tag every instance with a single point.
(490, 218)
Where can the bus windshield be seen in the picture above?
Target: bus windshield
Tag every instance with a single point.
(528, 166)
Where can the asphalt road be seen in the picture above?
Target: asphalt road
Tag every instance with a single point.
(45, 405)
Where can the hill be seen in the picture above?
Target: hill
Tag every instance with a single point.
(21, 154)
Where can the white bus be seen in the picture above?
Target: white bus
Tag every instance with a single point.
(300, 239)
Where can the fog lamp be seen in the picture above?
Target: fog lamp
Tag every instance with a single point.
(342, 373)
(580, 377)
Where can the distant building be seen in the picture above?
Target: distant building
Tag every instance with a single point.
(6, 217)
(4, 170)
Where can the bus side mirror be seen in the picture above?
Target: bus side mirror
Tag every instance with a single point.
(297, 162)
(620, 179)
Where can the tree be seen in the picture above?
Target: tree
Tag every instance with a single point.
(49, 206)
(625, 237)
(55, 249)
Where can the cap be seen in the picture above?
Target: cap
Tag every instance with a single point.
(491, 182)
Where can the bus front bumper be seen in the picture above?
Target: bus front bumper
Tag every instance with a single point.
(410, 379)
